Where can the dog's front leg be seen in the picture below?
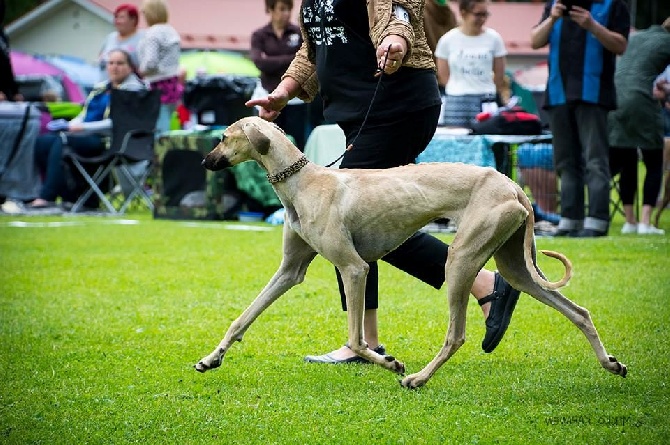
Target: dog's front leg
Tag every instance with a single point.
(460, 274)
(297, 257)
(354, 277)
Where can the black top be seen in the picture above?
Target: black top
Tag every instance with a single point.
(346, 63)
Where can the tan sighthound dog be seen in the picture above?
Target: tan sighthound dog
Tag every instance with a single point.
(352, 217)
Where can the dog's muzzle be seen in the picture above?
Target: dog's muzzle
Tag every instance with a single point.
(214, 163)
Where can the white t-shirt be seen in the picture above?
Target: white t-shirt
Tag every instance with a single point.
(470, 60)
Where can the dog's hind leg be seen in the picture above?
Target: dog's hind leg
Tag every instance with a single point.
(512, 266)
(297, 257)
(463, 263)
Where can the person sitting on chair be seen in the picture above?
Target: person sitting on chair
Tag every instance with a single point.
(86, 133)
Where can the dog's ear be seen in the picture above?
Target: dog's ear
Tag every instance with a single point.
(260, 141)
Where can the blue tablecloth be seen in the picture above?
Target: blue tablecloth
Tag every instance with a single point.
(475, 150)
(327, 143)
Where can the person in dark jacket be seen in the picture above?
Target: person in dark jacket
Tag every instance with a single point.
(273, 48)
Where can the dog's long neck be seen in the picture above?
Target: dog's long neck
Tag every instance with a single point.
(288, 171)
(283, 161)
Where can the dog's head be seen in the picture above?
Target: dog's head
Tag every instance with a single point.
(247, 139)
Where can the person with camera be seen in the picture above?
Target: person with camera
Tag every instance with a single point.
(584, 38)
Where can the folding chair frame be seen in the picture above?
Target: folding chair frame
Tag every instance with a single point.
(103, 172)
(131, 149)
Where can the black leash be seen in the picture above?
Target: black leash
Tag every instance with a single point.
(379, 72)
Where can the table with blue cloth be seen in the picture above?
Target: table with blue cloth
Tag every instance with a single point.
(486, 150)
(327, 143)
(183, 189)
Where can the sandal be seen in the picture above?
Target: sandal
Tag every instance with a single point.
(329, 359)
(503, 301)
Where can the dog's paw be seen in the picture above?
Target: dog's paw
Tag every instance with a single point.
(616, 367)
(208, 363)
(396, 366)
(413, 381)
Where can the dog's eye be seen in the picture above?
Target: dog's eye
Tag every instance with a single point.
(217, 142)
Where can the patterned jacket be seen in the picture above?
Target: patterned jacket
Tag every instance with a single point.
(158, 52)
(382, 23)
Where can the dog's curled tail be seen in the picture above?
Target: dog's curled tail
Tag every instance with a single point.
(553, 285)
(529, 243)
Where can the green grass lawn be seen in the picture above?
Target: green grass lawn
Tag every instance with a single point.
(101, 323)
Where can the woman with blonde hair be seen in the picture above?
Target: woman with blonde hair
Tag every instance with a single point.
(159, 53)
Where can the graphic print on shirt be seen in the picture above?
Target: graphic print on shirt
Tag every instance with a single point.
(474, 62)
(322, 26)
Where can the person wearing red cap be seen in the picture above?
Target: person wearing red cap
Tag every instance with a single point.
(126, 36)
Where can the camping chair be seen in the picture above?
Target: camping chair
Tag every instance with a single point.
(616, 205)
(134, 115)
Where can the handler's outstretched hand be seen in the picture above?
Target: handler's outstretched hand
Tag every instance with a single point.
(271, 105)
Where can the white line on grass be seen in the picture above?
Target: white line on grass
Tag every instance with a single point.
(212, 225)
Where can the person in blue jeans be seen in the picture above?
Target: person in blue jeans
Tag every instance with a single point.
(85, 134)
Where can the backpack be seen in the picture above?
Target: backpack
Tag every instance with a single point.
(512, 121)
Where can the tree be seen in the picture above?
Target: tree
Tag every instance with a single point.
(17, 8)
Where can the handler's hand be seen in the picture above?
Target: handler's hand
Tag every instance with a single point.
(271, 105)
(396, 52)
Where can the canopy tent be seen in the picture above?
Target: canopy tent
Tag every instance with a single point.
(27, 65)
(217, 62)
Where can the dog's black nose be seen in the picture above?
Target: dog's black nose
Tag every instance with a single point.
(215, 164)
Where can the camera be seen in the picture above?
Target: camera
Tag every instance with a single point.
(586, 4)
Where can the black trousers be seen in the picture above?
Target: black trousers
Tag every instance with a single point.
(388, 144)
(624, 160)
